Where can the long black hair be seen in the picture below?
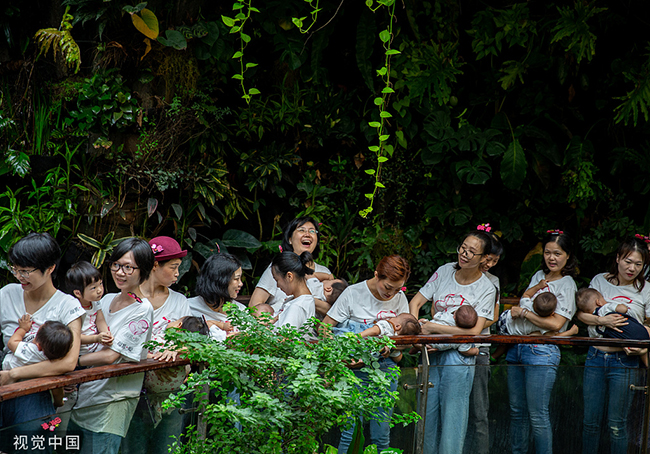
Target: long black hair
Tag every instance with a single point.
(286, 262)
(216, 274)
(628, 246)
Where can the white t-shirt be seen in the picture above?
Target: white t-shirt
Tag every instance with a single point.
(358, 304)
(447, 294)
(296, 311)
(603, 310)
(521, 326)
(637, 302)
(61, 307)
(89, 328)
(174, 308)
(26, 354)
(131, 329)
(564, 290)
(278, 296)
(198, 308)
(386, 328)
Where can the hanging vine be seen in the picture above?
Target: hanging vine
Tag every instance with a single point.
(383, 150)
(236, 25)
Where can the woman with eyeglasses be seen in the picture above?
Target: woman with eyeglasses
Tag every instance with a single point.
(34, 261)
(529, 383)
(300, 235)
(105, 407)
(452, 373)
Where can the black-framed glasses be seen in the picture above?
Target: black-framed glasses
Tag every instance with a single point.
(462, 250)
(22, 273)
(126, 269)
(303, 230)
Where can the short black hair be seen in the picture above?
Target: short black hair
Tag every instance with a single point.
(142, 254)
(545, 304)
(485, 239)
(214, 278)
(195, 324)
(54, 339)
(287, 233)
(81, 275)
(36, 250)
(337, 289)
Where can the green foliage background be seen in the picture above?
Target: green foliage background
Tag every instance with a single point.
(529, 116)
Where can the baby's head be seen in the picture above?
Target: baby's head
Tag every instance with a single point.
(588, 299)
(195, 325)
(545, 304)
(465, 317)
(262, 309)
(332, 288)
(54, 339)
(406, 325)
(84, 281)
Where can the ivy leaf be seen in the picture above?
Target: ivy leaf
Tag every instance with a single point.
(513, 166)
(384, 35)
(173, 38)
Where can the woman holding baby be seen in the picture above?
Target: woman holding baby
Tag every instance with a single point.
(452, 286)
(529, 385)
(610, 371)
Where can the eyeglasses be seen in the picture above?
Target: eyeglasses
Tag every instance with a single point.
(462, 250)
(22, 273)
(126, 269)
(302, 231)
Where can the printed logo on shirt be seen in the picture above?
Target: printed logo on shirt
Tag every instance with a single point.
(122, 346)
(449, 302)
(433, 278)
(622, 300)
(159, 326)
(29, 337)
(138, 328)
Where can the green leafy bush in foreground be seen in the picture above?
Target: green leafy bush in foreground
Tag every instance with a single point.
(291, 391)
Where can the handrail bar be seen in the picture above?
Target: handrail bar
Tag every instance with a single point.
(100, 372)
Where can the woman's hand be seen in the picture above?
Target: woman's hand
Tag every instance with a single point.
(635, 351)
(167, 355)
(613, 321)
(516, 311)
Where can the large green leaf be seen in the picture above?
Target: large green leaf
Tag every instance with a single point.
(238, 238)
(173, 38)
(513, 165)
(146, 23)
(477, 172)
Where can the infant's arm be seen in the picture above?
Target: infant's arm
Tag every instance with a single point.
(374, 330)
(621, 308)
(535, 288)
(105, 336)
(224, 326)
(323, 276)
(24, 325)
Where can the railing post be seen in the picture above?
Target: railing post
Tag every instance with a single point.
(201, 425)
(423, 389)
(646, 412)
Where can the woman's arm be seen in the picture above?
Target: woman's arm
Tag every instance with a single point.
(258, 297)
(322, 307)
(100, 358)
(325, 331)
(436, 328)
(553, 322)
(489, 323)
(612, 321)
(48, 368)
(416, 303)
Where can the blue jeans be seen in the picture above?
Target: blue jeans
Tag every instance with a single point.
(24, 416)
(452, 376)
(380, 427)
(607, 381)
(531, 375)
(477, 440)
(95, 442)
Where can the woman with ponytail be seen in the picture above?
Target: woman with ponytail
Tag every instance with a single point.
(289, 271)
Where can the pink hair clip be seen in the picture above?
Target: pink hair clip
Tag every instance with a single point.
(319, 224)
(484, 227)
(280, 247)
(555, 232)
(403, 289)
(156, 248)
(218, 248)
(643, 238)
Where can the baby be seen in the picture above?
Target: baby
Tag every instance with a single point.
(590, 301)
(402, 325)
(465, 317)
(84, 281)
(325, 293)
(543, 305)
(53, 341)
